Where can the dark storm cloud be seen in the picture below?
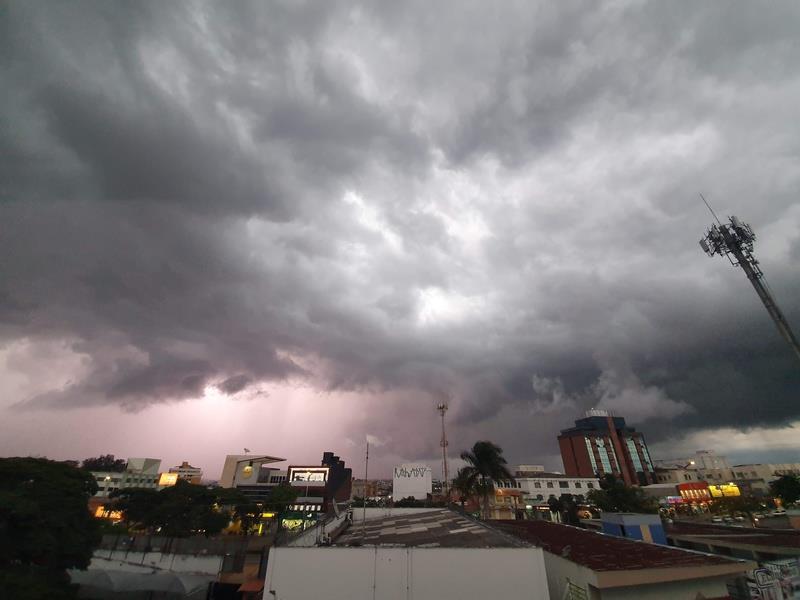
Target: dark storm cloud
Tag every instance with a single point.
(492, 206)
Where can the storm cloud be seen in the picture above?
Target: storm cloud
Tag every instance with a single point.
(497, 206)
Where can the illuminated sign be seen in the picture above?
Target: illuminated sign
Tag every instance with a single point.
(726, 490)
(305, 476)
(168, 479)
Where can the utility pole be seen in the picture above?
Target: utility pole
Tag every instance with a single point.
(735, 240)
(366, 486)
(442, 408)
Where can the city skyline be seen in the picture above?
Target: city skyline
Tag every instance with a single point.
(295, 228)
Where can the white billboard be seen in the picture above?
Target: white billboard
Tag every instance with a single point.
(411, 480)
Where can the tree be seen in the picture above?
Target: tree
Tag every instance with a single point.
(615, 496)
(569, 510)
(45, 527)
(787, 488)
(485, 468)
(464, 485)
(180, 510)
(106, 462)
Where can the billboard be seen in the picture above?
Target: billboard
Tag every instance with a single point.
(411, 480)
(308, 476)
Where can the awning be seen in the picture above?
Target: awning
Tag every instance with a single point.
(254, 585)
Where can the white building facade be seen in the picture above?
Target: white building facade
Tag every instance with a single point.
(139, 473)
(411, 480)
(539, 488)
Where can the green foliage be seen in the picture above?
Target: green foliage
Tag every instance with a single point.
(410, 502)
(615, 496)
(738, 504)
(45, 527)
(787, 488)
(280, 498)
(464, 485)
(566, 506)
(486, 467)
(106, 462)
(181, 510)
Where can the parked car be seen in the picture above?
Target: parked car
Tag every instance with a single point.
(739, 518)
(716, 519)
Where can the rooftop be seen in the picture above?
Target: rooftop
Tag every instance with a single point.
(601, 552)
(439, 528)
(777, 538)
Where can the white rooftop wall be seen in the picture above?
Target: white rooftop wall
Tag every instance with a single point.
(401, 573)
(411, 480)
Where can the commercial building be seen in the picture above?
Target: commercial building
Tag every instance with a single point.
(754, 478)
(538, 486)
(601, 444)
(585, 564)
(319, 486)
(410, 554)
(138, 473)
(412, 480)
(252, 474)
(188, 473)
(703, 465)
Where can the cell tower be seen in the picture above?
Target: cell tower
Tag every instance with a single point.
(735, 240)
(442, 408)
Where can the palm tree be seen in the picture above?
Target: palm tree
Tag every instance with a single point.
(485, 468)
(464, 484)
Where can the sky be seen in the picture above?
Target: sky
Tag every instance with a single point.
(297, 226)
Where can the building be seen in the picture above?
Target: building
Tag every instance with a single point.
(506, 502)
(704, 465)
(757, 544)
(687, 494)
(675, 475)
(413, 553)
(252, 475)
(590, 565)
(538, 486)
(754, 479)
(634, 526)
(412, 480)
(188, 473)
(602, 444)
(319, 486)
(138, 473)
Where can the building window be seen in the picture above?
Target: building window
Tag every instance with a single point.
(604, 457)
(577, 485)
(537, 484)
(549, 484)
(563, 484)
(590, 485)
(637, 464)
(591, 454)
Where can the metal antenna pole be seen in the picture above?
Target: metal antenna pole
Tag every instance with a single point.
(735, 241)
(442, 408)
(366, 485)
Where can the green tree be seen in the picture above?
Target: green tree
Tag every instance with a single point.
(106, 462)
(45, 527)
(181, 510)
(280, 498)
(615, 496)
(464, 485)
(486, 467)
(787, 488)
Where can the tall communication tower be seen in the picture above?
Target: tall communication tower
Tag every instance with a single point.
(442, 408)
(735, 240)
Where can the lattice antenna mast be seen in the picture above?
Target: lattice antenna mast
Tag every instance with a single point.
(442, 408)
(735, 241)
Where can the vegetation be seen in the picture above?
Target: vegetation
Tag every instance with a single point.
(107, 462)
(485, 468)
(566, 507)
(45, 527)
(180, 510)
(738, 504)
(615, 496)
(787, 488)
(464, 485)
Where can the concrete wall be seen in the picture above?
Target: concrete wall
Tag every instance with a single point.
(411, 480)
(403, 573)
(136, 562)
(379, 513)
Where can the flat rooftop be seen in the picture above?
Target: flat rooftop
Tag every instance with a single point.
(435, 529)
(775, 538)
(601, 552)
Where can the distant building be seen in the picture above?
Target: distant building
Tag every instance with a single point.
(705, 465)
(138, 473)
(601, 444)
(188, 473)
(319, 486)
(252, 475)
(754, 479)
(538, 486)
(647, 528)
(411, 480)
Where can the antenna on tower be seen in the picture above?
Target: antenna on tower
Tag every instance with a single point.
(735, 241)
(442, 408)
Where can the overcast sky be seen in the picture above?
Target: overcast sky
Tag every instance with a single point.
(293, 226)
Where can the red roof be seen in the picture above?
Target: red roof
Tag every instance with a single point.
(601, 552)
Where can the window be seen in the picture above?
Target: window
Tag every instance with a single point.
(591, 454)
(637, 464)
(590, 485)
(549, 484)
(537, 484)
(563, 484)
(577, 485)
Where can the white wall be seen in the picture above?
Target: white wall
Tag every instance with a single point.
(402, 573)
(411, 480)
(379, 513)
(136, 562)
